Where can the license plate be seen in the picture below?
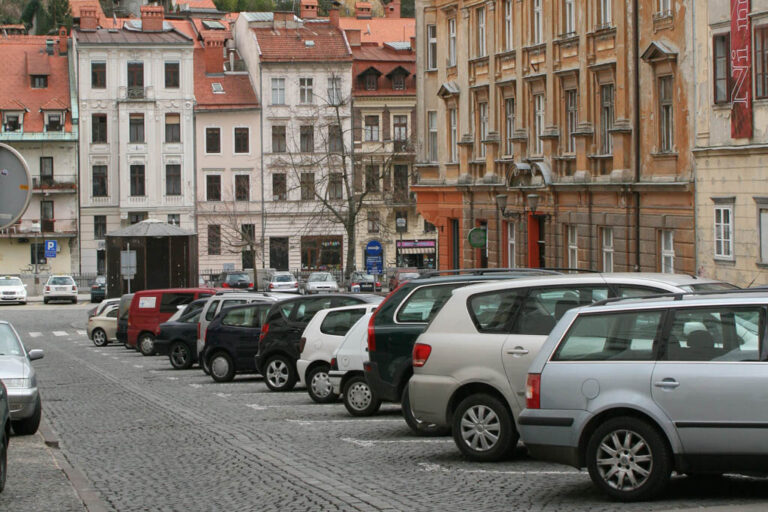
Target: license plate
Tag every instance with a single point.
(61, 288)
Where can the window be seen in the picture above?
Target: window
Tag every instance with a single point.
(571, 117)
(432, 135)
(482, 114)
(247, 253)
(371, 82)
(480, 21)
(279, 188)
(401, 227)
(508, 43)
(214, 239)
(724, 231)
(39, 81)
(605, 13)
(174, 219)
(335, 186)
(538, 123)
(213, 187)
(99, 227)
(509, 125)
(569, 14)
(172, 128)
(278, 91)
(335, 141)
(98, 75)
(242, 187)
(665, 7)
(667, 251)
(136, 217)
(400, 128)
(99, 180)
(135, 79)
(334, 90)
(606, 119)
(278, 139)
(573, 247)
(11, 122)
(425, 302)
(373, 222)
(305, 91)
(453, 135)
(431, 47)
(761, 62)
(46, 170)
(137, 180)
(721, 49)
(173, 179)
(666, 115)
(451, 42)
(429, 227)
(53, 122)
(242, 143)
(511, 261)
(136, 128)
(718, 333)
(538, 29)
(307, 139)
(607, 249)
(171, 75)
(307, 186)
(339, 322)
(398, 82)
(763, 212)
(371, 178)
(401, 181)
(99, 128)
(213, 140)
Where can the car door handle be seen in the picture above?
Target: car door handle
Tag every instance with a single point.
(666, 384)
(518, 351)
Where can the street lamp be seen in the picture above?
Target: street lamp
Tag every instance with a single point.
(36, 230)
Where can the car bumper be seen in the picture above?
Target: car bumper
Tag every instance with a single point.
(385, 390)
(21, 402)
(301, 370)
(98, 294)
(336, 376)
(13, 298)
(162, 347)
(60, 295)
(429, 396)
(552, 435)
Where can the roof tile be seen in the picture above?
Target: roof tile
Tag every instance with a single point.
(289, 44)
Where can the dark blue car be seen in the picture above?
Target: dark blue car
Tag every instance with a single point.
(177, 339)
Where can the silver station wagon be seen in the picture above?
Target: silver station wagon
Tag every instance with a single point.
(638, 388)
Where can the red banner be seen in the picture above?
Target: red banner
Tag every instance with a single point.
(741, 70)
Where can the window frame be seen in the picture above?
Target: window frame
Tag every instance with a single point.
(307, 186)
(168, 67)
(760, 61)
(138, 184)
(607, 117)
(480, 41)
(137, 132)
(666, 107)
(431, 47)
(607, 248)
(279, 138)
(726, 62)
(213, 242)
(99, 130)
(94, 181)
(172, 178)
(508, 26)
(569, 17)
(209, 131)
(277, 88)
(511, 245)
(99, 227)
(451, 42)
(432, 137)
(537, 29)
(573, 245)
(666, 252)
(236, 133)
(722, 255)
(99, 77)
(238, 189)
(276, 178)
(482, 121)
(571, 119)
(172, 136)
(306, 92)
(539, 113)
(371, 132)
(209, 183)
(453, 134)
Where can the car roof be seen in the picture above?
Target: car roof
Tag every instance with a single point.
(492, 277)
(733, 298)
(175, 290)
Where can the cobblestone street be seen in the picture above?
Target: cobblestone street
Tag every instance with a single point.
(148, 437)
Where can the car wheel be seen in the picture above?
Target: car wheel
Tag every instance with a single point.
(74, 301)
(99, 337)
(628, 459)
(417, 426)
(359, 398)
(45, 301)
(205, 365)
(222, 367)
(319, 385)
(483, 429)
(146, 344)
(180, 356)
(279, 374)
(28, 426)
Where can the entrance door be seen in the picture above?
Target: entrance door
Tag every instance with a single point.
(455, 244)
(278, 253)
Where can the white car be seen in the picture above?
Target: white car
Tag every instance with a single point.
(347, 375)
(60, 288)
(12, 290)
(320, 282)
(322, 336)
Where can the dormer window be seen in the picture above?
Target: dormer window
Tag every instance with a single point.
(39, 81)
(398, 82)
(371, 82)
(53, 122)
(11, 122)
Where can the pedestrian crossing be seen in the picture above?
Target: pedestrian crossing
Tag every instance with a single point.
(73, 333)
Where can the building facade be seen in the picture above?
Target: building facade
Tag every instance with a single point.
(553, 111)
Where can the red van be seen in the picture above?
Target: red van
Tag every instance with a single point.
(150, 308)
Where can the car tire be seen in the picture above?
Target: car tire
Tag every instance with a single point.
(419, 427)
(28, 426)
(222, 367)
(3, 459)
(99, 337)
(359, 398)
(146, 344)
(483, 429)
(45, 301)
(279, 373)
(204, 365)
(180, 356)
(648, 454)
(74, 301)
(319, 385)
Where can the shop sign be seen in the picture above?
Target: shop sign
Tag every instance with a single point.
(477, 237)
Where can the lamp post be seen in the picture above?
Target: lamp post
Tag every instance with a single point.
(400, 225)
(36, 230)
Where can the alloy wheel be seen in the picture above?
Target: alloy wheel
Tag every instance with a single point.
(180, 355)
(277, 373)
(624, 460)
(480, 428)
(99, 338)
(359, 396)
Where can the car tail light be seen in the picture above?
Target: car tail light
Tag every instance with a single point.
(225, 285)
(372, 333)
(533, 391)
(47, 288)
(264, 331)
(421, 353)
(271, 286)
(302, 344)
(74, 288)
(334, 364)
(250, 285)
(95, 287)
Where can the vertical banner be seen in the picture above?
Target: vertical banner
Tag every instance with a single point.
(741, 70)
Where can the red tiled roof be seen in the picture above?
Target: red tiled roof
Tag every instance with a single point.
(238, 91)
(381, 30)
(37, 63)
(16, 92)
(384, 60)
(197, 4)
(290, 44)
(76, 5)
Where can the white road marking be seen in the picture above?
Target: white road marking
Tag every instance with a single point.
(82, 332)
(375, 420)
(257, 407)
(196, 386)
(172, 378)
(367, 443)
(35, 334)
(60, 333)
(224, 395)
(138, 366)
(115, 357)
(426, 466)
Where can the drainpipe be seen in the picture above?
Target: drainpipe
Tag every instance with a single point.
(636, 128)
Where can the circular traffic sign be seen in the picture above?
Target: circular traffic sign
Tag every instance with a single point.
(477, 237)
(15, 186)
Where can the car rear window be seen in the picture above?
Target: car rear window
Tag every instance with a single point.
(306, 310)
(233, 278)
(542, 308)
(244, 317)
(611, 337)
(283, 279)
(210, 313)
(62, 281)
(170, 300)
(337, 323)
(425, 302)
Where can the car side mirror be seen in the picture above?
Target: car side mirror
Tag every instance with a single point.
(25, 286)
(36, 354)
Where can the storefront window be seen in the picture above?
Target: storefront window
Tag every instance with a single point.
(417, 253)
(321, 252)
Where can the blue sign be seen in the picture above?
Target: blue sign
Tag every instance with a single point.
(51, 247)
(374, 262)
(373, 248)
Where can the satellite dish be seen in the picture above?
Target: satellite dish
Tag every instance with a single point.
(15, 186)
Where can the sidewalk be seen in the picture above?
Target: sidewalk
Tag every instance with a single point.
(81, 297)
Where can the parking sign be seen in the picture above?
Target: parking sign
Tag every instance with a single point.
(51, 246)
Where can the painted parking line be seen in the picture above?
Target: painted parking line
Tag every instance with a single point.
(82, 332)
(367, 443)
(224, 395)
(172, 378)
(138, 366)
(428, 466)
(196, 386)
(60, 333)
(307, 423)
(35, 334)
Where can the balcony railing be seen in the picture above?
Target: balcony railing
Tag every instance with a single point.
(135, 93)
(57, 183)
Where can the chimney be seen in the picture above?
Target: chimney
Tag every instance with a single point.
(281, 19)
(49, 46)
(353, 36)
(392, 9)
(214, 56)
(362, 10)
(152, 18)
(88, 19)
(333, 16)
(413, 44)
(308, 9)
(63, 41)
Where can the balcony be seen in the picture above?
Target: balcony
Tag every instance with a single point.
(135, 93)
(399, 198)
(59, 184)
(28, 228)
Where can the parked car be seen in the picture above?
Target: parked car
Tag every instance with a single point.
(18, 375)
(401, 275)
(98, 289)
(150, 308)
(362, 282)
(60, 288)
(176, 337)
(232, 340)
(124, 309)
(346, 373)
(471, 362)
(102, 328)
(233, 279)
(636, 389)
(281, 333)
(102, 306)
(12, 290)
(320, 282)
(322, 336)
(282, 282)
(5, 433)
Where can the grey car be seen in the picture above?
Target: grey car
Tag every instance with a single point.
(18, 375)
(318, 282)
(5, 434)
(636, 389)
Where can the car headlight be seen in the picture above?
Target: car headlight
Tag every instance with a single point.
(17, 383)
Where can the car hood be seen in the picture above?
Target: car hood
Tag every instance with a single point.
(14, 367)
(15, 289)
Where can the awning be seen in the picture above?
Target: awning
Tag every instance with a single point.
(416, 250)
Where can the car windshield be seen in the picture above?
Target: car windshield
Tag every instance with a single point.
(320, 277)
(9, 343)
(61, 280)
(408, 275)
(11, 281)
(367, 278)
(285, 278)
(709, 287)
(100, 280)
(238, 277)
